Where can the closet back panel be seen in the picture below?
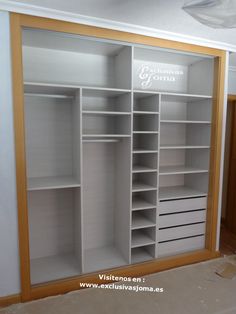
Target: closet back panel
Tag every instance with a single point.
(98, 194)
(49, 136)
(52, 222)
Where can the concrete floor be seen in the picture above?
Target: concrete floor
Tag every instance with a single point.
(193, 289)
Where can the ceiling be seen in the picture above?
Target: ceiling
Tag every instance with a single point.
(164, 15)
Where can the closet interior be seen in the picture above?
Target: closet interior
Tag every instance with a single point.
(118, 141)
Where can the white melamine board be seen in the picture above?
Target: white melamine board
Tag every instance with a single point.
(172, 180)
(49, 137)
(181, 246)
(100, 124)
(55, 267)
(184, 146)
(142, 254)
(198, 181)
(171, 157)
(167, 56)
(140, 169)
(177, 192)
(145, 142)
(198, 158)
(200, 110)
(122, 202)
(52, 222)
(105, 136)
(169, 207)
(179, 169)
(186, 121)
(44, 88)
(201, 75)
(157, 76)
(76, 134)
(58, 182)
(184, 98)
(98, 195)
(139, 186)
(109, 113)
(69, 42)
(86, 69)
(181, 232)
(123, 68)
(102, 258)
(140, 202)
(185, 218)
(143, 219)
(144, 151)
(141, 238)
(145, 123)
(146, 102)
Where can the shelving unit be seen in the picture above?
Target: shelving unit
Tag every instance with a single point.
(118, 141)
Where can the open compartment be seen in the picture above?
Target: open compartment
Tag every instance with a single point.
(52, 133)
(142, 254)
(62, 58)
(145, 163)
(106, 204)
(143, 237)
(55, 234)
(186, 109)
(146, 103)
(157, 69)
(143, 218)
(144, 200)
(145, 142)
(144, 182)
(145, 123)
(177, 186)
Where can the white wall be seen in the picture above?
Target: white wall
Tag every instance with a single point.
(9, 257)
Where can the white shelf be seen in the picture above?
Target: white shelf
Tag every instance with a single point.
(140, 238)
(139, 204)
(69, 89)
(145, 132)
(144, 151)
(104, 113)
(166, 96)
(184, 146)
(186, 121)
(140, 221)
(177, 192)
(105, 135)
(102, 258)
(145, 112)
(139, 187)
(139, 255)
(167, 170)
(140, 169)
(53, 268)
(46, 183)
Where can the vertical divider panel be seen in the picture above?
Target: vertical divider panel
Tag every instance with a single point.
(158, 176)
(80, 245)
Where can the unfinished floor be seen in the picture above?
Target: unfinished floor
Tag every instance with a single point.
(194, 289)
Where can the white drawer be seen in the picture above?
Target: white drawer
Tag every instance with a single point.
(181, 246)
(182, 205)
(182, 218)
(181, 232)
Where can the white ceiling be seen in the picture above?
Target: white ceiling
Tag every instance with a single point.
(164, 15)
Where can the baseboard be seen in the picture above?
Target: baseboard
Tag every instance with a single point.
(10, 299)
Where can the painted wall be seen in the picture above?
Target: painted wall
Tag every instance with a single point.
(9, 260)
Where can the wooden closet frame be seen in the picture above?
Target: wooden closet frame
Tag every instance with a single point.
(28, 292)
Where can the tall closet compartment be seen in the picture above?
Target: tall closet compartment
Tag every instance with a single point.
(119, 142)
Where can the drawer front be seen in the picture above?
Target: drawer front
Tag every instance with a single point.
(182, 205)
(181, 246)
(182, 218)
(181, 232)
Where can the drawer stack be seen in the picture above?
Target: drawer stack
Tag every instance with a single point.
(181, 226)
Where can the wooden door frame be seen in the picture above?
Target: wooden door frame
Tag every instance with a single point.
(28, 292)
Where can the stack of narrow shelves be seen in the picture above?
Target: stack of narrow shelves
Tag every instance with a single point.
(144, 175)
